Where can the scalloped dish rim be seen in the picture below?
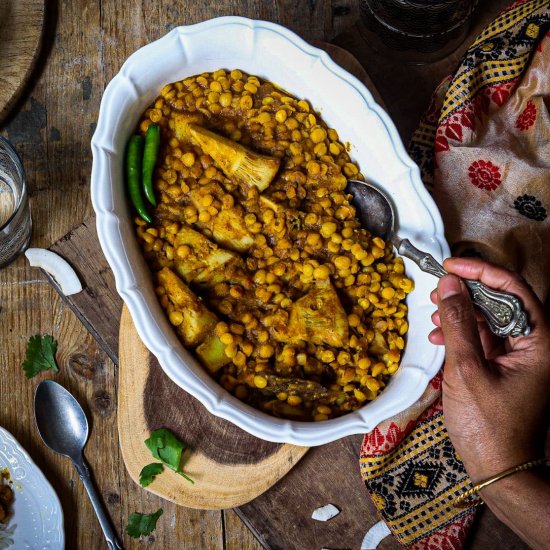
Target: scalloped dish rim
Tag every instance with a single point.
(32, 473)
(114, 223)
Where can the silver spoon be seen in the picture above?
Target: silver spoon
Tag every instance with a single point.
(503, 312)
(63, 427)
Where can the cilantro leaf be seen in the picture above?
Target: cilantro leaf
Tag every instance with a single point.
(40, 355)
(142, 524)
(149, 472)
(165, 446)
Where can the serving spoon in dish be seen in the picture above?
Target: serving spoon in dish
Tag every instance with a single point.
(63, 426)
(504, 312)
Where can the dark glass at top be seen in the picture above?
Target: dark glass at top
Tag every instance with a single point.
(418, 25)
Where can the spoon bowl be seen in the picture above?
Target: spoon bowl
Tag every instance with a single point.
(60, 419)
(374, 208)
(503, 312)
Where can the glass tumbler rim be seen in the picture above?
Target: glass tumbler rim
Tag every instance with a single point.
(16, 159)
(473, 5)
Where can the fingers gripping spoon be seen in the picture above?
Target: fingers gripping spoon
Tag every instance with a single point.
(63, 427)
(504, 313)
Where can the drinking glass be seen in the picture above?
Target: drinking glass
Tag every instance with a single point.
(417, 31)
(15, 216)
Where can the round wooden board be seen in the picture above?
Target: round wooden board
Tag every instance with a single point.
(230, 467)
(21, 28)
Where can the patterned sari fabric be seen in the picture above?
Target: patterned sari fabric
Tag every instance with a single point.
(484, 151)
(484, 145)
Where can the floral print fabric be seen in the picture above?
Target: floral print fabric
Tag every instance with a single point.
(483, 148)
(489, 167)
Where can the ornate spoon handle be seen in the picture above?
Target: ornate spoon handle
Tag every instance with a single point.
(503, 312)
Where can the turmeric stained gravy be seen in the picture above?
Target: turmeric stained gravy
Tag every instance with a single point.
(259, 261)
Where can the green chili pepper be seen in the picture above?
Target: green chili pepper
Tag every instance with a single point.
(150, 152)
(134, 153)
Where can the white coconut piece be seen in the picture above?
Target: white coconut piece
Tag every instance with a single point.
(56, 266)
(375, 535)
(324, 513)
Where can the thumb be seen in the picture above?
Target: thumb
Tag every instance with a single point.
(458, 321)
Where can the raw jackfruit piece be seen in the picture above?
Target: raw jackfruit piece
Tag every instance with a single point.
(238, 163)
(319, 317)
(198, 322)
(204, 257)
(230, 231)
(228, 227)
(198, 326)
(207, 264)
(212, 353)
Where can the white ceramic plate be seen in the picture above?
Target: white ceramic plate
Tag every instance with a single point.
(37, 519)
(273, 52)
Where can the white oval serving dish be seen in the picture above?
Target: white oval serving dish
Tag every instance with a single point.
(277, 54)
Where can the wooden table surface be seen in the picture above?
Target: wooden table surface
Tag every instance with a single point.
(85, 44)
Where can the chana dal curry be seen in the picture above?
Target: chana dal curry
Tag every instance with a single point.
(258, 258)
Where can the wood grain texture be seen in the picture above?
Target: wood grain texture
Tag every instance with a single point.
(34, 307)
(215, 438)
(85, 44)
(93, 300)
(21, 28)
(219, 451)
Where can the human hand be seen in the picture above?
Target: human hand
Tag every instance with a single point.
(495, 391)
